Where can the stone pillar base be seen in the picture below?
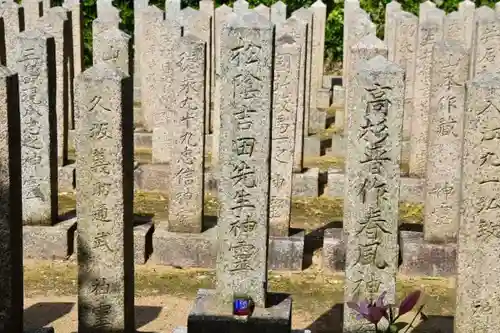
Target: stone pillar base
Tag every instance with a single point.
(208, 316)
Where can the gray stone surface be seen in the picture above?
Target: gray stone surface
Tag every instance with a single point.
(164, 112)
(209, 315)
(306, 183)
(197, 23)
(484, 55)
(278, 12)
(246, 64)
(318, 9)
(418, 258)
(312, 146)
(9, 12)
(240, 7)
(55, 22)
(365, 49)
(139, 6)
(208, 7)
(444, 151)
(263, 11)
(286, 252)
(298, 30)
(390, 26)
(478, 236)
(285, 103)
(454, 27)
(467, 9)
(113, 46)
(31, 9)
(306, 17)
(221, 15)
(184, 330)
(104, 145)
(11, 266)
(38, 121)
(66, 177)
(411, 189)
(49, 242)
(405, 56)
(324, 98)
(109, 18)
(372, 170)
(186, 136)
(430, 31)
(151, 19)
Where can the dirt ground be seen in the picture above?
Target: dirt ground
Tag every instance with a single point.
(164, 297)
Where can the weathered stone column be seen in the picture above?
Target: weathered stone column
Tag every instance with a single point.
(246, 75)
(444, 153)
(372, 185)
(113, 46)
(36, 69)
(104, 200)
(479, 232)
(9, 12)
(391, 10)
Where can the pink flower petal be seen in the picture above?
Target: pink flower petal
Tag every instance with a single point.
(409, 302)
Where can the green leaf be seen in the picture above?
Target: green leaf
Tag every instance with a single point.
(396, 327)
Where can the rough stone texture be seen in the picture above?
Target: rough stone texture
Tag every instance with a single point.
(454, 27)
(66, 178)
(444, 151)
(168, 33)
(246, 68)
(306, 184)
(430, 31)
(312, 146)
(366, 48)
(197, 23)
(49, 242)
(485, 55)
(298, 30)
(32, 12)
(306, 17)
(467, 8)
(151, 19)
(418, 258)
(104, 145)
(221, 14)
(372, 168)
(34, 52)
(209, 316)
(113, 46)
(478, 236)
(208, 7)
(424, 9)
(351, 8)
(172, 9)
(263, 11)
(109, 18)
(11, 265)
(56, 22)
(284, 115)
(390, 27)
(323, 98)
(139, 6)
(278, 12)
(240, 7)
(9, 12)
(405, 56)
(411, 189)
(186, 137)
(318, 9)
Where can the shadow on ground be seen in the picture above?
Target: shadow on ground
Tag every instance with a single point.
(44, 313)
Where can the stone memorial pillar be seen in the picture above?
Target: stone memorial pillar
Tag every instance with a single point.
(390, 26)
(405, 56)
(485, 57)
(9, 11)
(479, 236)
(56, 22)
(139, 6)
(444, 153)
(278, 12)
(104, 200)
(32, 12)
(372, 185)
(208, 7)
(263, 11)
(430, 32)
(187, 137)
(113, 46)
(34, 51)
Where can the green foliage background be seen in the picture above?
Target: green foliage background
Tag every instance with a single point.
(334, 25)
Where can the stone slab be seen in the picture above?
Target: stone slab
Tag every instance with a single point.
(209, 316)
(417, 257)
(306, 184)
(184, 249)
(312, 146)
(200, 250)
(66, 178)
(143, 242)
(324, 98)
(49, 242)
(411, 189)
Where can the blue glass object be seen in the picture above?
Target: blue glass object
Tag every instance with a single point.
(242, 306)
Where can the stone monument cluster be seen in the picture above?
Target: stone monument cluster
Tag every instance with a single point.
(228, 100)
